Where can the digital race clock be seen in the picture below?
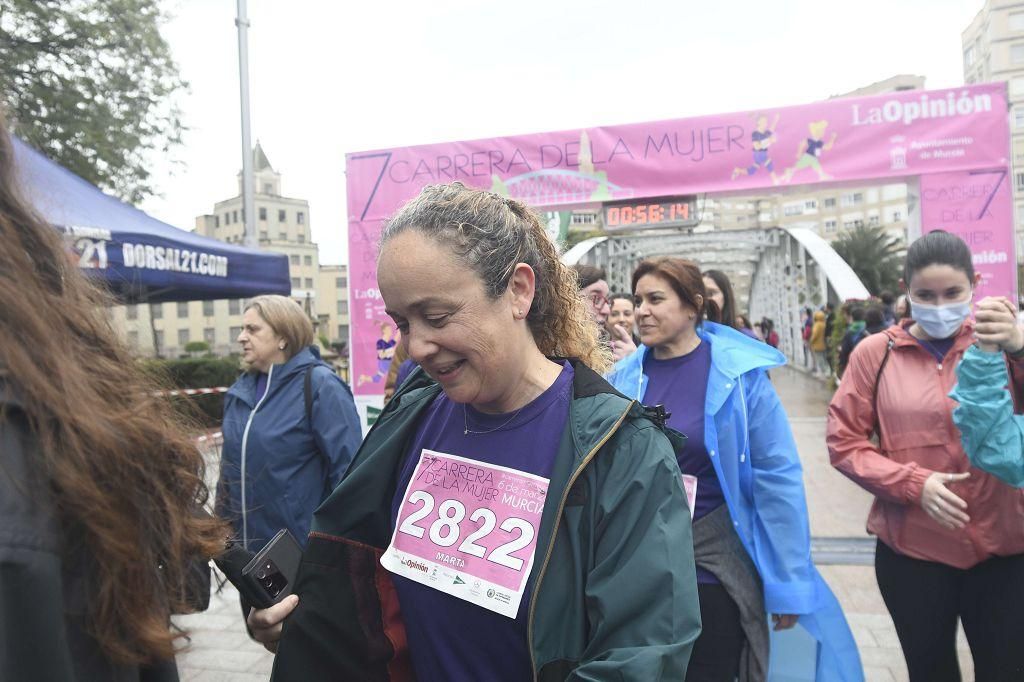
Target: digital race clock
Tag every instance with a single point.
(639, 215)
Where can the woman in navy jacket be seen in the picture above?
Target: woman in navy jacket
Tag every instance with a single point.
(283, 452)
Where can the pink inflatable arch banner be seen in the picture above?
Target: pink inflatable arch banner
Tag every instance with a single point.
(956, 140)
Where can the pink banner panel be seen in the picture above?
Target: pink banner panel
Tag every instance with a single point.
(978, 207)
(875, 138)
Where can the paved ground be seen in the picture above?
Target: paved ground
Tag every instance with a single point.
(222, 652)
(839, 508)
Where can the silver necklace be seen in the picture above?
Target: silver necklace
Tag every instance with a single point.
(467, 430)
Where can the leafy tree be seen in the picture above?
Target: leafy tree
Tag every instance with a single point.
(874, 255)
(575, 237)
(193, 347)
(208, 372)
(91, 84)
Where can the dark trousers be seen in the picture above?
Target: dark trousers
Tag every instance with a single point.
(716, 653)
(926, 598)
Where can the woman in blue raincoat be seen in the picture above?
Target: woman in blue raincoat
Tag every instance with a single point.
(743, 477)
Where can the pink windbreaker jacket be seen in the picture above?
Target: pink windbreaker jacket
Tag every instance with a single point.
(918, 437)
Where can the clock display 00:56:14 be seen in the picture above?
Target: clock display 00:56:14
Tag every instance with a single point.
(646, 214)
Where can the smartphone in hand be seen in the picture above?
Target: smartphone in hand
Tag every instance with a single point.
(270, 576)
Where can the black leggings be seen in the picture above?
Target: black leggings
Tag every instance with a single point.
(926, 598)
(716, 653)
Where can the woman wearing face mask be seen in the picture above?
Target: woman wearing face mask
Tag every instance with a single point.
(950, 537)
(750, 528)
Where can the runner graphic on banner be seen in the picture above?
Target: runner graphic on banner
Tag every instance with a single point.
(468, 529)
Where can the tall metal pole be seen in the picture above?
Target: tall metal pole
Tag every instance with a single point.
(248, 203)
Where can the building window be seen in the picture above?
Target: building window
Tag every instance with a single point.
(227, 218)
(283, 236)
(792, 209)
(264, 234)
(157, 311)
(234, 307)
(234, 216)
(811, 204)
(133, 339)
(1017, 21)
(343, 307)
(208, 308)
(1017, 54)
(341, 282)
(307, 260)
(182, 309)
(216, 221)
(830, 202)
(300, 218)
(342, 332)
(970, 56)
(851, 224)
(263, 213)
(281, 217)
(209, 336)
(268, 188)
(584, 218)
(309, 282)
(873, 220)
(131, 312)
(1018, 116)
(830, 226)
(300, 238)
(296, 282)
(183, 337)
(235, 332)
(160, 340)
(294, 258)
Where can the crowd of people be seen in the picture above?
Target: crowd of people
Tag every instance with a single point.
(661, 529)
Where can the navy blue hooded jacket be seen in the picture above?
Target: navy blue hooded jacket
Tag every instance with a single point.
(289, 466)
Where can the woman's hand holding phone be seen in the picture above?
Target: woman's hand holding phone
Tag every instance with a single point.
(266, 624)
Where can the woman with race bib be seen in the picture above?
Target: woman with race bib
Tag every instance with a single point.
(509, 516)
(742, 473)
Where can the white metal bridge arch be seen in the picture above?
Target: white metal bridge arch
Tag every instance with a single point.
(775, 273)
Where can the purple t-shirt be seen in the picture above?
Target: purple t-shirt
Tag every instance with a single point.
(939, 348)
(441, 629)
(681, 384)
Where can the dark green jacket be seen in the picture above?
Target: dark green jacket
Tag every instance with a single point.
(614, 587)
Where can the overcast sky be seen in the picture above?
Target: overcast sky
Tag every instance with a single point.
(329, 78)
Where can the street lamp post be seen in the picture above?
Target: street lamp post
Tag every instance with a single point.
(248, 203)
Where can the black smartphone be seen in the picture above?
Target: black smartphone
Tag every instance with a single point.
(270, 576)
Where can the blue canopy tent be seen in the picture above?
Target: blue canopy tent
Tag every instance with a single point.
(139, 257)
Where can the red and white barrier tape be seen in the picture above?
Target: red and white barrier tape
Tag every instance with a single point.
(218, 436)
(193, 391)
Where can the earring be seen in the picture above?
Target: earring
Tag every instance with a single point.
(281, 347)
(519, 313)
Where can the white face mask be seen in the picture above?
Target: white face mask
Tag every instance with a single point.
(941, 321)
